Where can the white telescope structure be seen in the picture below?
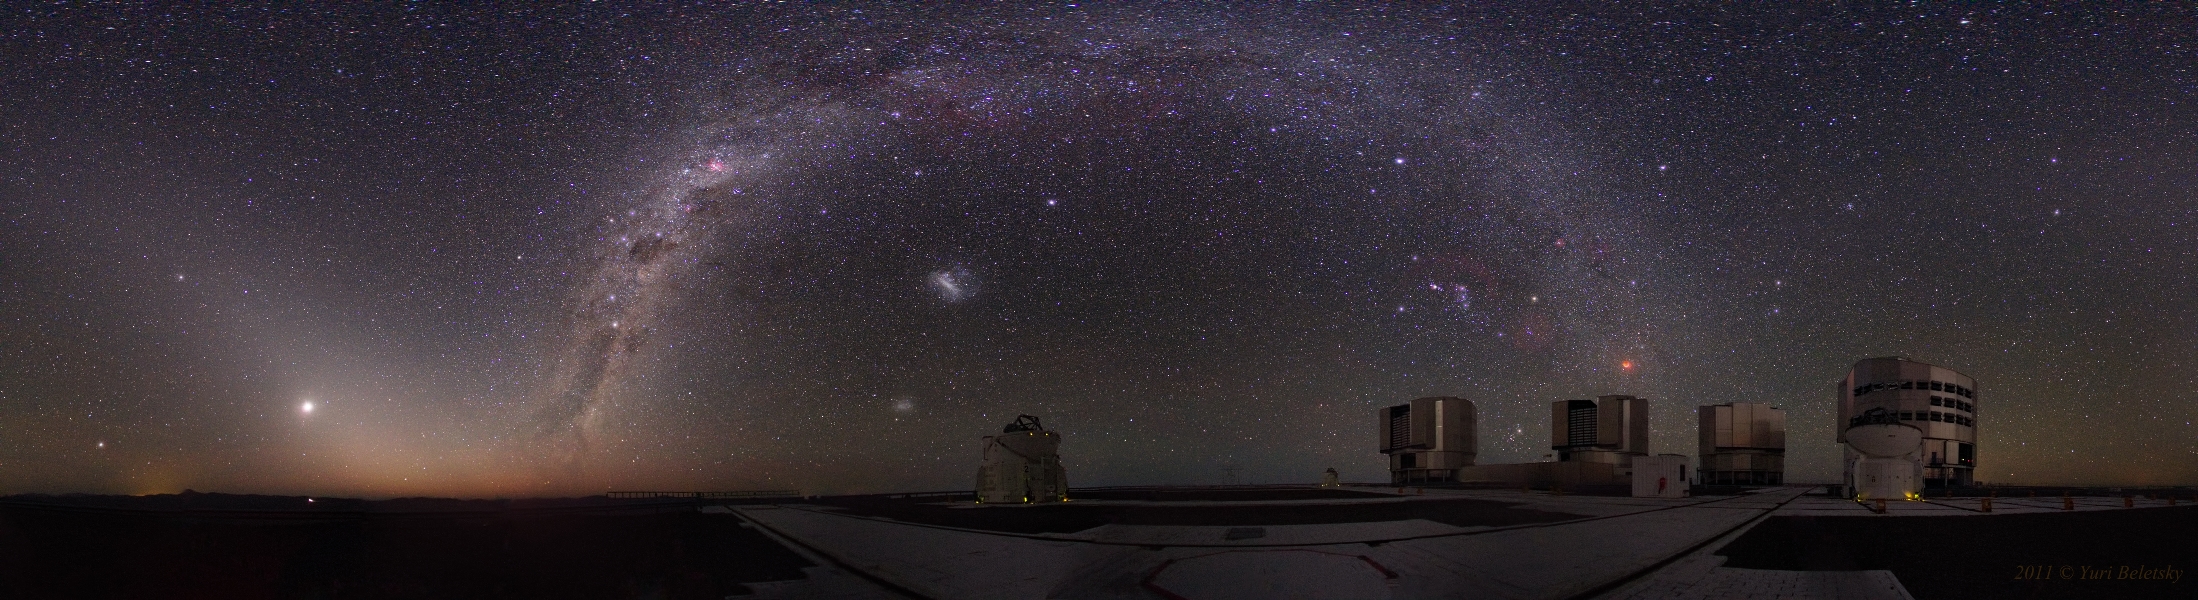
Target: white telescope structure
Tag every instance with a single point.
(1907, 425)
(1022, 465)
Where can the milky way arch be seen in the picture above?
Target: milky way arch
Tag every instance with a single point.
(792, 109)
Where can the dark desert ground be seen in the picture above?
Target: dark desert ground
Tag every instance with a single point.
(197, 545)
(230, 546)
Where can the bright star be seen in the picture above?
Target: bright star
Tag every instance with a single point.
(306, 407)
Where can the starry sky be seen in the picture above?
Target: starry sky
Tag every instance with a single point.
(401, 250)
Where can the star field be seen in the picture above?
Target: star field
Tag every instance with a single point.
(417, 250)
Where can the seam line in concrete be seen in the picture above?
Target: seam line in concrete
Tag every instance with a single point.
(1622, 580)
(820, 553)
(1702, 504)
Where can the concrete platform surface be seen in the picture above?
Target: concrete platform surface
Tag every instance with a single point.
(1621, 538)
(1605, 547)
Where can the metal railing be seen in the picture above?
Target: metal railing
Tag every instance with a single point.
(710, 495)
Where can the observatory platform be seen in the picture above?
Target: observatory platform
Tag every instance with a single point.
(1353, 543)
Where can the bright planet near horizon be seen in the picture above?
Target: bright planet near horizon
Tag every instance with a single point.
(561, 250)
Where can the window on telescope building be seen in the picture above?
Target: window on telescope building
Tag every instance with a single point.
(1934, 400)
(1935, 387)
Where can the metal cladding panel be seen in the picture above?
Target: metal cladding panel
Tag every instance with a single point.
(1771, 428)
(1456, 431)
(1381, 428)
(1743, 425)
(1396, 427)
(1906, 387)
(1559, 411)
(1622, 423)
(1439, 414)
(1640, 416)
(1610, 421)
(1707, 442)
(1913, 370)
(1723, 426)
(1424, 417)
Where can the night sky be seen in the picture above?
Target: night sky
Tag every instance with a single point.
(435, 250)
